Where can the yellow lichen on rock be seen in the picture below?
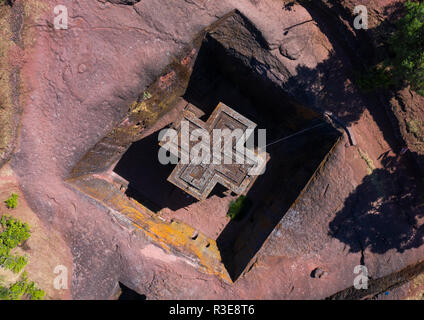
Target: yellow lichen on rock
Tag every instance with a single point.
(174, 237)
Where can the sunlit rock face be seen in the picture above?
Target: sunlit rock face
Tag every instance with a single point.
(322, 204)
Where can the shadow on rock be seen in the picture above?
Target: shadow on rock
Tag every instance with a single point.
(386, 211)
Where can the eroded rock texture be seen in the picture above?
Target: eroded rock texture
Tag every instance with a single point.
(79, 83)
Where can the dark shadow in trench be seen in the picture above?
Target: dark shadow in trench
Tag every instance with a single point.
(129, 294)
(218, 76)
(147, 177)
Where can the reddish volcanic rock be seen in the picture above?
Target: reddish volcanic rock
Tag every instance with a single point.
(78, 86)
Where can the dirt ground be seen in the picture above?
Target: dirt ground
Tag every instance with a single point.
(45, 249)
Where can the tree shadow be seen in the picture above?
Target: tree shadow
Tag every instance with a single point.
(355, 52)
(325, 88)
(384, 212)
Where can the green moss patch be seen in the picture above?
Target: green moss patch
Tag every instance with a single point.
(239, 208)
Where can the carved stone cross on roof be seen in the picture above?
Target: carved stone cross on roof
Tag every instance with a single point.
(198, 180)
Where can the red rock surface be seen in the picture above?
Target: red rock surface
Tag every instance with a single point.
(78, 84)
